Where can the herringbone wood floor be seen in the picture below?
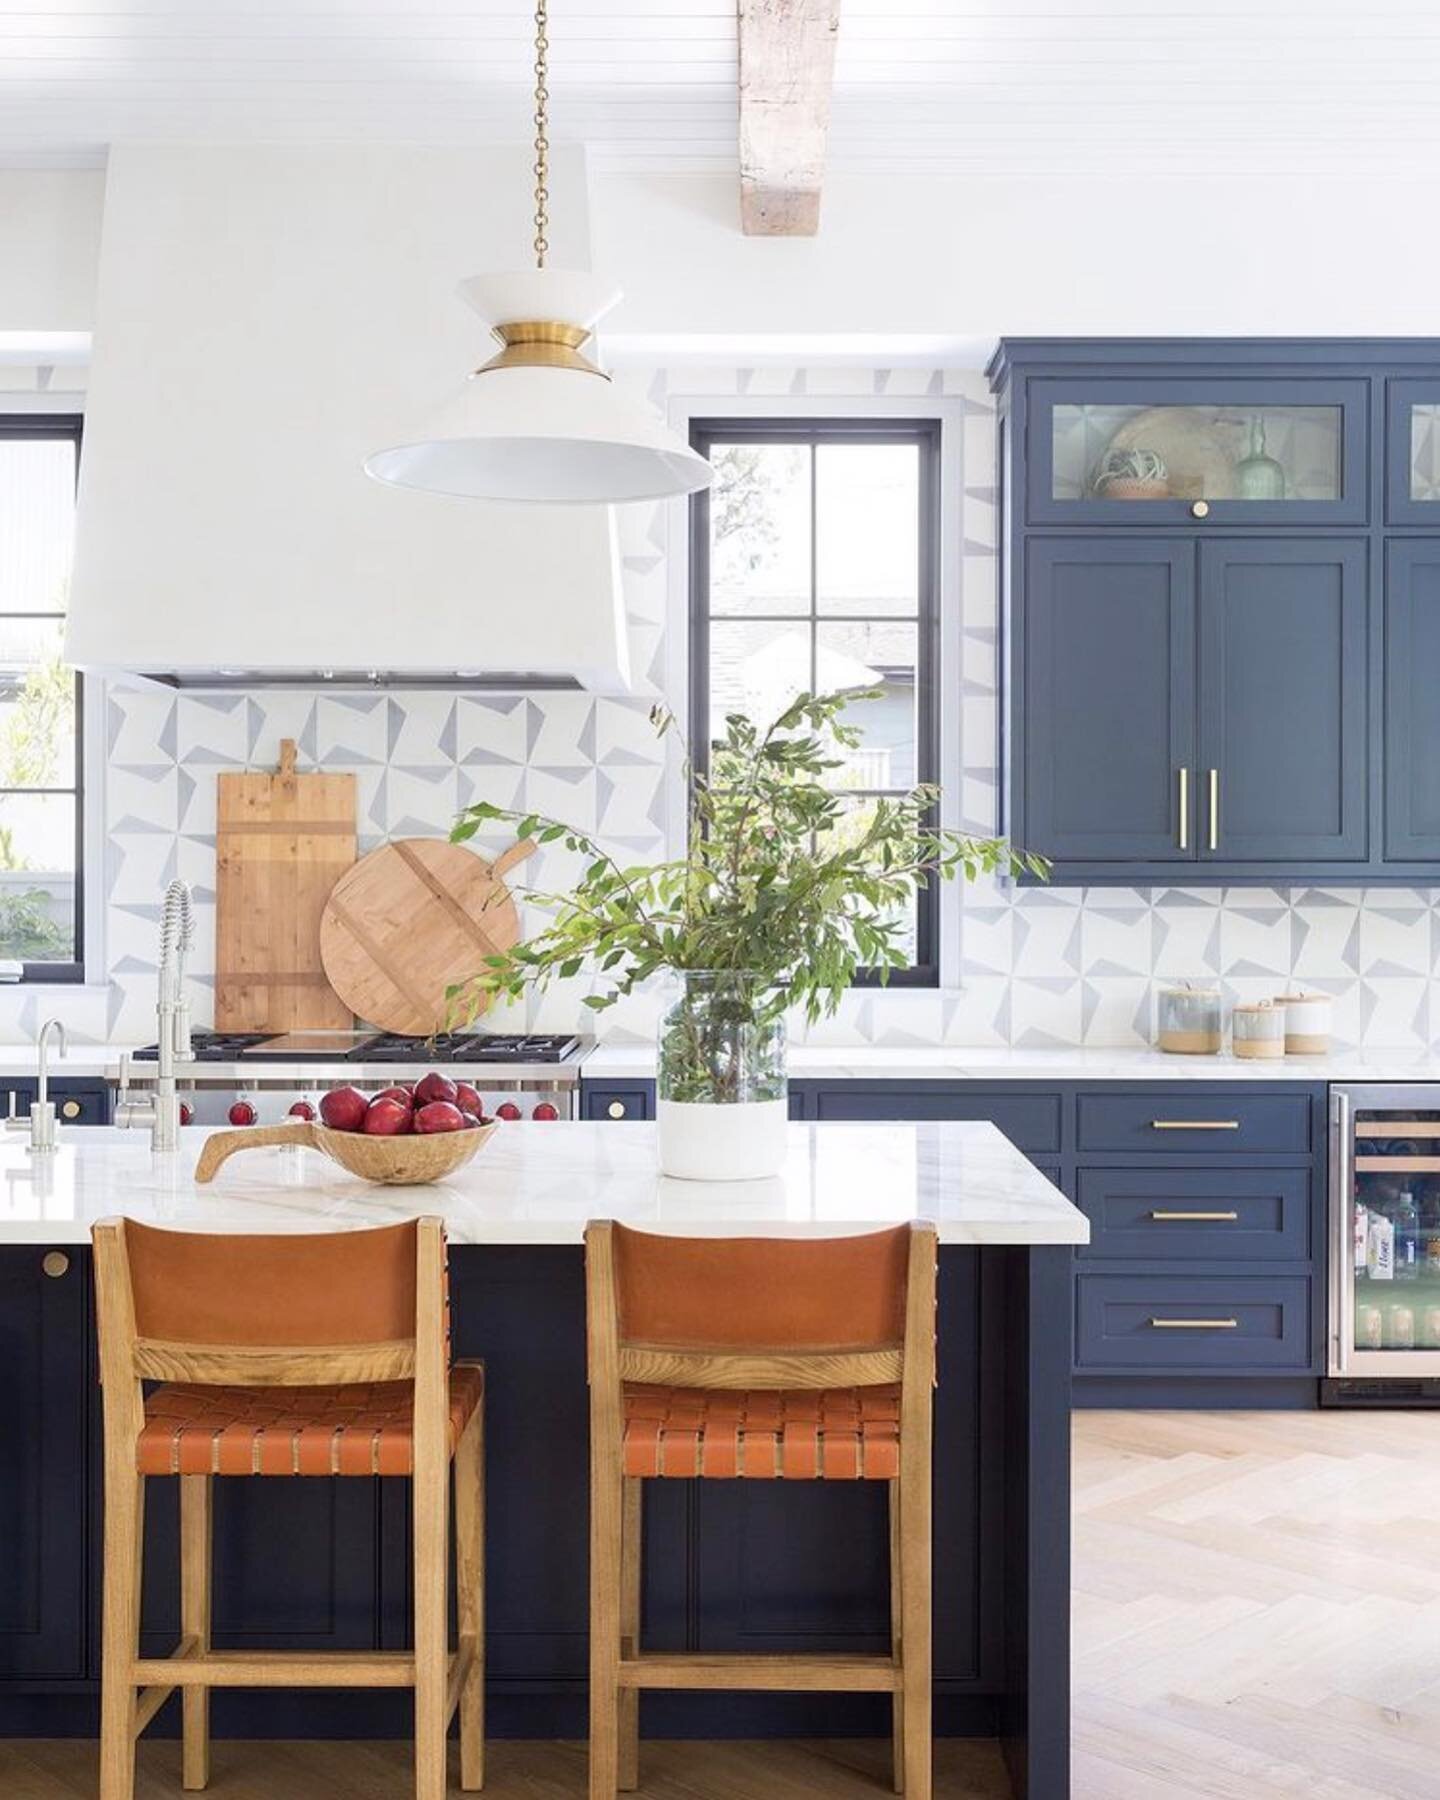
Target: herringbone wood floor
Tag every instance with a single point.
(1257, 1616)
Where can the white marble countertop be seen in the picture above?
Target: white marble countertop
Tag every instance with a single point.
(858, 1062)
(534, 1184)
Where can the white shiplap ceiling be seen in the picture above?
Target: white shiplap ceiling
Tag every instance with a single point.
(1106, 88)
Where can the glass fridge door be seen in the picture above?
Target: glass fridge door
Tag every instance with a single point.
(1389, 1258)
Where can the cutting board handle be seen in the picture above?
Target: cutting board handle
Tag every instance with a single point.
(287, 756)
(221, 1145)
(517, 853)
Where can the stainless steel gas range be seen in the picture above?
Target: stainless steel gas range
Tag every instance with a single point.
(255, 1078)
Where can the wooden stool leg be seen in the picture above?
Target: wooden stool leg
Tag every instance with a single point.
(896, 1639)
(120, 1643)
(915, 1626)
(195, 1539)
(606, 1506)
(431, 1531)
(631, 1568)
(470, 1597)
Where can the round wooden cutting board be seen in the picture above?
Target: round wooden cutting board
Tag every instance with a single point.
(408, 921)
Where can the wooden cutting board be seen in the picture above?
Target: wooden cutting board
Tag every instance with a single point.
(410, 920)
(281, 843)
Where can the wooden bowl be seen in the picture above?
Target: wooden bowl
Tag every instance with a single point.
(408, 1161)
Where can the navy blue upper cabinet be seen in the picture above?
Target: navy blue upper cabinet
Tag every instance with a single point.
(1412, 453)
(1283, 686)
(1110, 637)
(1213, 450)
(1294, 736)
(1412, 699)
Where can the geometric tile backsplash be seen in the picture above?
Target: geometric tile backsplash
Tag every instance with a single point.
(1038, 968)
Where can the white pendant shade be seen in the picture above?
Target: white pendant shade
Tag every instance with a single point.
(547, 434)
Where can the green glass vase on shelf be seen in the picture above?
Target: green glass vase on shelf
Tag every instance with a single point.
(1258, 476)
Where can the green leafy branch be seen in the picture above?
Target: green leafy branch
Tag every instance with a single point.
(779, 879)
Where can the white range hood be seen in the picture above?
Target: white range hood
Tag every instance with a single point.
(266, 316)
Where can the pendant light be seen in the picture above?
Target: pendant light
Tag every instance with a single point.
(539, 422)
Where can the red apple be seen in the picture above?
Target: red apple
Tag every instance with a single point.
(440, 1115)
(302, 1109)
(385, 1117)
(545, 1111)
(468, 1099)
(405, 1095)
(242, 1113)
(507, 1109)
(435, 1086)
(343, 1109)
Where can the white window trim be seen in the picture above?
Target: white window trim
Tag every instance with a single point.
(681, 409)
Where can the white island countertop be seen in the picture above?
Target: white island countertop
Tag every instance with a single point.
(539, 1184)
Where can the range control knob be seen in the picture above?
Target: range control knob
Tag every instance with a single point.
(187, 1113)
(302, 1109)
(242, 1113)
(507, 1109)
(545, 1111)
(70, 1110)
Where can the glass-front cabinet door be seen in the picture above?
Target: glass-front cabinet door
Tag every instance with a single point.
(1243, 452)
(1412, 453)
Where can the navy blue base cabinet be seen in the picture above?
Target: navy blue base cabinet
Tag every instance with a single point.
(1203, 1284)
(757, 1565)
(1218, 605)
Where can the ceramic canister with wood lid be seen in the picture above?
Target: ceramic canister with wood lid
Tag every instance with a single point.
(1188, 1022)
(1258, 1030)
(1307, 1023)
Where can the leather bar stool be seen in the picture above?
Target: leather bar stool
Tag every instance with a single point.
(299, 1355)
(758, 1359)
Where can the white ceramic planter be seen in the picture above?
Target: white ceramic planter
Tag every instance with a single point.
(703, 1142)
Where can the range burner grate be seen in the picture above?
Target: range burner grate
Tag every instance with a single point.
(470, 1047)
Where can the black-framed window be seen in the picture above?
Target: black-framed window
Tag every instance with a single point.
(814, 564)
(41, 785)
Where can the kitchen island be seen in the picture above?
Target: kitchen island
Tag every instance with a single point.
(731, 1566)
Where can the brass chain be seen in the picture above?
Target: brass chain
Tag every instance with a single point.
(542, 140)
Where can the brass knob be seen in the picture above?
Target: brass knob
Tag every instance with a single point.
(1200, 510)
(70, 1110)
(55, 1263)
(616, 1109)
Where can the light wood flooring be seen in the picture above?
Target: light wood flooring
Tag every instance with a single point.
(1257, 1616)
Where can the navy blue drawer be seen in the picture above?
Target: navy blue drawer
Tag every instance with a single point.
(1236, 1323)
(1200, 1121)
(1214, 1214)
(618, 1102)
(1031, 1121)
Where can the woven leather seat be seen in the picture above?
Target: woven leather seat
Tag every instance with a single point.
(360, 1429)
(830, 1434)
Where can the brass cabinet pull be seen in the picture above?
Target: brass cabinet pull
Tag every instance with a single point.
(1214, 809)
(1194, 1124)
(1200, 510)
(616, 1109)
(1184, 809)
(1194, 1324)
(1217, 1218)
(55, 1263)
(70, 1110)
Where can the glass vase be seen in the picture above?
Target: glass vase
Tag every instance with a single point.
(721, 1103)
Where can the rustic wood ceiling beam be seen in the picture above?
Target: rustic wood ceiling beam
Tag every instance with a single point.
(787, 74)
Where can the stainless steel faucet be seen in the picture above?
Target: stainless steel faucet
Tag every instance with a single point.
(160, 1109)
(42, 1112)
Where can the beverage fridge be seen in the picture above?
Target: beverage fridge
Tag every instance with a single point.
(1384, 1249)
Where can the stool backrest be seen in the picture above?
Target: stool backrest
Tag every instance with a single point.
(296, 1310)
(762, 1312)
